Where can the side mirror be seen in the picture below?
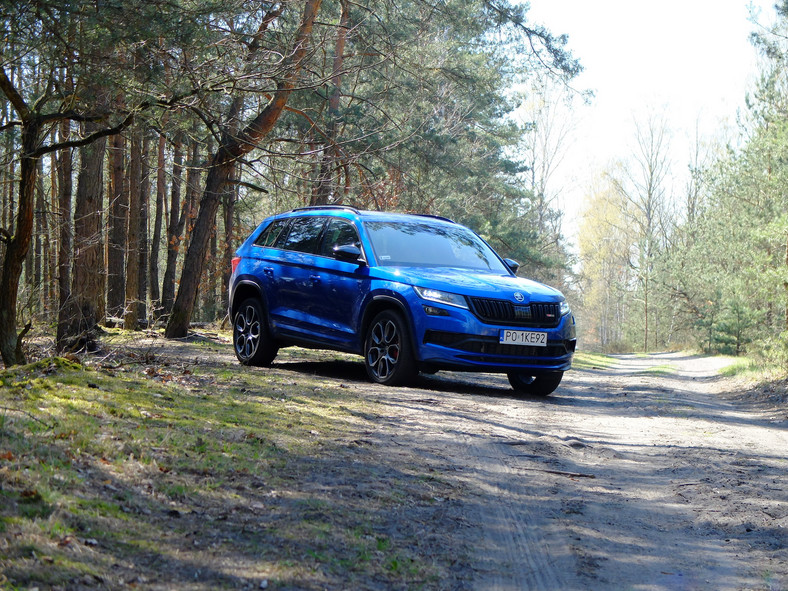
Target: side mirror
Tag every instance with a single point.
(347, 252)
(512, 264)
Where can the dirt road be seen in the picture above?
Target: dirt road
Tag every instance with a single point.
(645, 476)
(655, 474)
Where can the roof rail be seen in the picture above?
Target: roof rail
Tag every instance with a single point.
(435, 217)
(318, 207)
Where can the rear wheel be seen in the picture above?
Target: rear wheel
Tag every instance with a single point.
(252, 339)
(541, 385)
(388, 355)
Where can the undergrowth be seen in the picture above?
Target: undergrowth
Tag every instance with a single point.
(145, 470)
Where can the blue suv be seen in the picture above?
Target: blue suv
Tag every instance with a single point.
(409, 293)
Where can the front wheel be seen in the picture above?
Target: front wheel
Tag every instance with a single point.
(388, 355)
(252, 339)
(541, 385)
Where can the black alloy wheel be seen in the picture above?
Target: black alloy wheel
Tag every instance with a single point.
(252, 339)
(388, 355)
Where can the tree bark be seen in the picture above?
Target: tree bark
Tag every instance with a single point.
(18, 245)
(144, 214)
(175, 227)
(131, 316)
(65, 189)
(118, 224)
(161, 188)
(785, 285)
(80, 316)
(220, 170)
(38, 248)
(228, 208)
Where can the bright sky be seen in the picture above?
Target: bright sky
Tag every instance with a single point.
(689, 59)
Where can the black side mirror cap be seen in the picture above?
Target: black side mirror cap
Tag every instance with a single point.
(512, 264)
(347, 252)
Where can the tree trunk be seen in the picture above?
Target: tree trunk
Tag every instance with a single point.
(131, 317)
(785, 285)
(230, 197)
(50, 230)
(18, 245)
(175, 227)
(178, 322)
(80, 316)
(36, 279)
(65, 188)
(144, 213)
(118, 225)
(220, 170)
(161, 187)
(645, 313)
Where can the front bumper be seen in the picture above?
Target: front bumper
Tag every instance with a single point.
(462, 342)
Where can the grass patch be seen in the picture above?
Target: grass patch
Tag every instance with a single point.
(592, 361)
(184, 470)
(764, 380)
(749, 368)
(658, 370)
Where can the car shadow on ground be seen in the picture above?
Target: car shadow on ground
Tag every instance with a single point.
(492, 385)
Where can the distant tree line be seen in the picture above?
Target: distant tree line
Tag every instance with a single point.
(141, 140)
(704, 265)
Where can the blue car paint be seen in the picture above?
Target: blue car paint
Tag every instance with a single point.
(322, 301)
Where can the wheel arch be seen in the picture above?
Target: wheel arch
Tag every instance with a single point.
(380, 303)
(243, 290)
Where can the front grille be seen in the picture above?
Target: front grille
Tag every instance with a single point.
(503, 312)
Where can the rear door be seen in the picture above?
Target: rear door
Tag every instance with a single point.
(293, 273)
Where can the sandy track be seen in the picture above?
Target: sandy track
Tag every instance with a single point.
(647, 476)
(656, 474)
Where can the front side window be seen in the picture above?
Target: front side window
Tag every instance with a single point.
(421, 244)
(303, 236)
(338, 233)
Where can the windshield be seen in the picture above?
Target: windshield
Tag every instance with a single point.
(421, 244)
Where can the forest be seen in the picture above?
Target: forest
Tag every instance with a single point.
(704, 266)
(140, 142)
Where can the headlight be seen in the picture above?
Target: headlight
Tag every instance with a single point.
(565, 309)
(443, 297)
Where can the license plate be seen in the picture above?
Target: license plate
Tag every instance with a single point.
(523, 337)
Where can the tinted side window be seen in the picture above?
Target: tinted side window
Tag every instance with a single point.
(271, 233)
(338, 233)
(304, 235)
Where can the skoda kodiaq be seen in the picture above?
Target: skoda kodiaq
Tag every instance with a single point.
(408, 292)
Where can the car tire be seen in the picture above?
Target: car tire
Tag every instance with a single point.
(540, 385)
(388, 355)
(252, 338)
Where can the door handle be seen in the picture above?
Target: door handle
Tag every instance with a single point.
(314, 278)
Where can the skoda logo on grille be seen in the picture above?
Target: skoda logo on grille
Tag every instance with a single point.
(519, 297)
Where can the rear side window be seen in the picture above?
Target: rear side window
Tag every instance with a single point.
(303, 236)
(338, 233)
(271, 233)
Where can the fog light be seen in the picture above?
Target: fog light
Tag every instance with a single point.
(433, 311)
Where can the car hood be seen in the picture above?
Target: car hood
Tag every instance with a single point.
(471, 283)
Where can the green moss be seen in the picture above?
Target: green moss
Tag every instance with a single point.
(593, 361)
(144, 459)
